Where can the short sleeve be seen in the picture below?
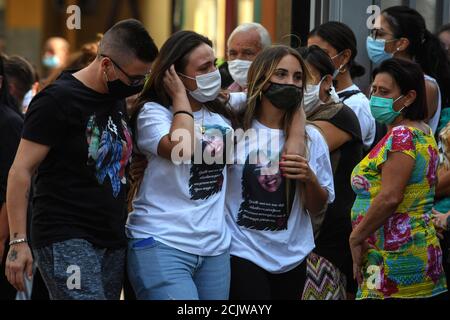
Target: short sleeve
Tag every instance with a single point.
(45, 121)
(400, 139)
(153, 124)
(319, 161)
(10, 131)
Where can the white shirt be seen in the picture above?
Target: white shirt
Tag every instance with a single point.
(361, 106)
(434, 121)
(262, 230)
(180, 206)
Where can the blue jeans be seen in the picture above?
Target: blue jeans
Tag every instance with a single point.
(159, 272)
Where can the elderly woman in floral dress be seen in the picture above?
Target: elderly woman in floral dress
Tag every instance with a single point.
(395, 251)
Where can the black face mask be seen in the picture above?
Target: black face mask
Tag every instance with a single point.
(120, 90)
(284, 96)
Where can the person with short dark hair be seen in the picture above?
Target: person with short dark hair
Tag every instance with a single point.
(20, 77)
(11, 123)
(395, 250)
(444, 36)
(77, 138)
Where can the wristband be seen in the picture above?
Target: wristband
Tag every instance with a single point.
(183, 112)
(18, 241)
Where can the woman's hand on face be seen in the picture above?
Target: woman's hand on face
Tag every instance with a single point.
(297, 168)
(173, 84)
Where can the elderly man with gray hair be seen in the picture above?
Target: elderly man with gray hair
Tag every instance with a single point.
(244, 44)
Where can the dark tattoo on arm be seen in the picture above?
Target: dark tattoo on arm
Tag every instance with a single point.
(15, 235)
(12, 255)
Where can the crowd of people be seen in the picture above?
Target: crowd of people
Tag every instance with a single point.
(157, 173)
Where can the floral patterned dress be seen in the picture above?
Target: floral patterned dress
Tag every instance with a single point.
(404, 259)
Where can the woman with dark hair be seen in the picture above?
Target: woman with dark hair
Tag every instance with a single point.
(444, 37)
(442, 203)
(339, 42)
(395, 250)
(271, 197)
(11, 122)
(402, 33)
(342, 132)
(178, 239)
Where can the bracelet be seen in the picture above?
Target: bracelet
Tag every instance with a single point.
(183, 112)
(18, 241)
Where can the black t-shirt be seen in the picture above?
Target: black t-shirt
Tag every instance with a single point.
(80, 187)
(11, 124)
(332, 242)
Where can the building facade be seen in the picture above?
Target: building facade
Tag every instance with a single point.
(26, 24)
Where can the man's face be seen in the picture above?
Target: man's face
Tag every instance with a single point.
(58, 49)
(244, 46)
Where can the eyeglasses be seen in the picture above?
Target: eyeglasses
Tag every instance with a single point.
(378, 33)
(134, 80)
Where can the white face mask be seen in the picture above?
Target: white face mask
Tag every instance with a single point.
(208, 86)
(312, 96)
(239, 71)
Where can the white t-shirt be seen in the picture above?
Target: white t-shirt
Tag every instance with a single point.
(434, 121)
(361, 107)
(181, 206)
(262, 230)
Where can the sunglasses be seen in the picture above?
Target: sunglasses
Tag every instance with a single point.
(134, 80)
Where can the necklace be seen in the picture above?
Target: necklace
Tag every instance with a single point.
(203, 120)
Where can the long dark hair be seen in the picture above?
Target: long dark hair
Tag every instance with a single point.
(319, 59)
(175, 51)
(409, 76)
(424, 47)
(341, 38)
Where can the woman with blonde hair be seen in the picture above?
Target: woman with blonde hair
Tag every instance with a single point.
(269, 215)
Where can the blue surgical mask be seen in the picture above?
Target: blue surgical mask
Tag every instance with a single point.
(376, 50)
(383, 109)
(51, 62)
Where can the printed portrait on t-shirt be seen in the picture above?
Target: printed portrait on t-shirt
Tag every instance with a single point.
(264, 194)
(110, 148)
(207, 170)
